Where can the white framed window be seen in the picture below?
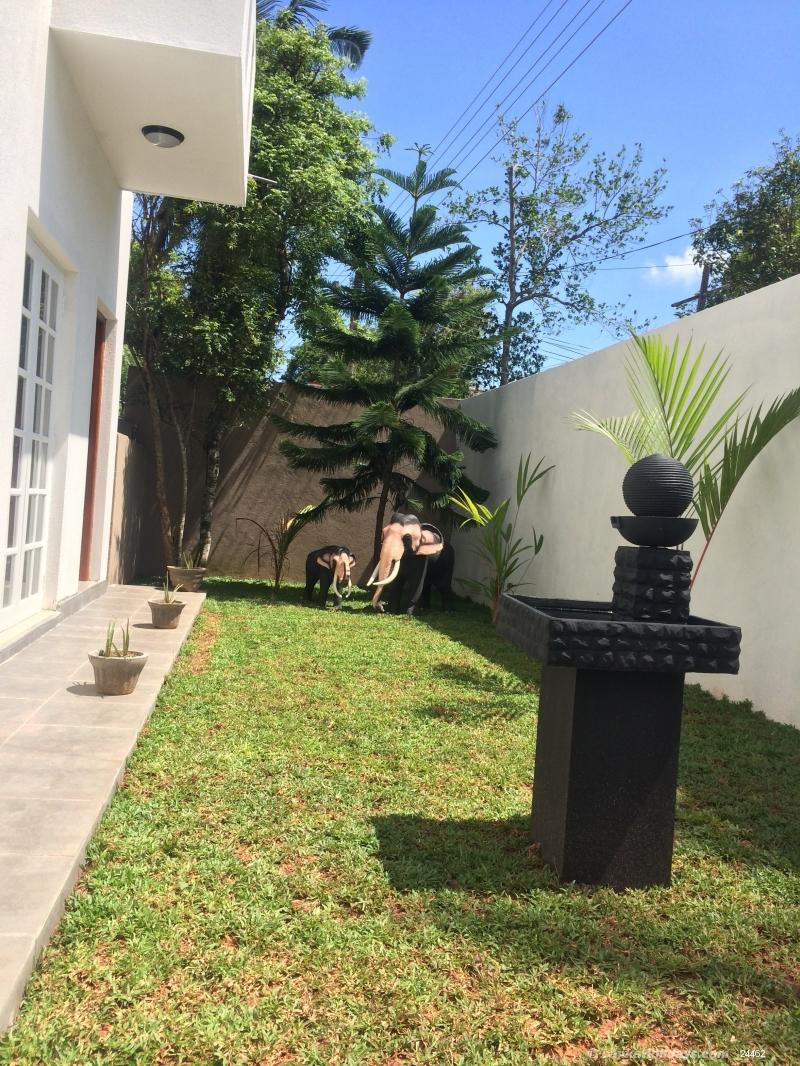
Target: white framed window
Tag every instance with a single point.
(23, 542)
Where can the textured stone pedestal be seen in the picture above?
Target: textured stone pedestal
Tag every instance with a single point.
(606, 775)
(651, 584)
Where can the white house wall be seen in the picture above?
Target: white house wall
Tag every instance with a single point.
(58, 188)
(751, 574)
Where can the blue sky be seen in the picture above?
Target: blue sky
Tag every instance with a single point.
(704, 86)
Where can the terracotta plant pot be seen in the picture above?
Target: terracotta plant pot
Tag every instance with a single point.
(658, 485)
(189, 577)
(115, 675)
(165, 615)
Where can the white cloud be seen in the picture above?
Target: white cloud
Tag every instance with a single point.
(675, 268)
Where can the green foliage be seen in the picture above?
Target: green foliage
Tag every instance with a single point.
(402, 335)
(348, 42)
(754, 235)
(170, 594)
(279, 538)
(673, 394)
(112, 650)
(506, 555)
(557, 211)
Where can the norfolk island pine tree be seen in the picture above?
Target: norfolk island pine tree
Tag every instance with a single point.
(406, 331)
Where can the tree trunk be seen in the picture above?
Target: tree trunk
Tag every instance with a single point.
(179, 524)
(213, 454)
(508, 320)
(158, 454)
(382, 501)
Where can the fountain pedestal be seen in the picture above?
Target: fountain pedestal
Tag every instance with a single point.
(606, 774)
(609, 730)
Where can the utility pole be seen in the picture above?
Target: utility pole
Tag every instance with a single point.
(508, 319)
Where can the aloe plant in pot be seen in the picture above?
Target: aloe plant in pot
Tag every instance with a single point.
(165, 612)
(117, 669)
(187, 575)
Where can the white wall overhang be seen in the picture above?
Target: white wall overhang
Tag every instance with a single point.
(174, 63)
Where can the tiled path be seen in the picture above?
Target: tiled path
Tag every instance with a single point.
(62, 754)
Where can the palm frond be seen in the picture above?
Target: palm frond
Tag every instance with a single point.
(349, 43)
(743, 444)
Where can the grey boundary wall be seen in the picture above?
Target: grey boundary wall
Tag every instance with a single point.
(751, 574)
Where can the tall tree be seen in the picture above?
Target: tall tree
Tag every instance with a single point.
(557, 210)
(401, 336)
(753, 238)
(235, 274)
(348, 42)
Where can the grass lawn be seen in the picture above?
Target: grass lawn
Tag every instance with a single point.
(319, 856)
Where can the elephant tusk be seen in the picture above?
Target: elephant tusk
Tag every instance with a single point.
(335, 585)
(392, 574)
(374, 575)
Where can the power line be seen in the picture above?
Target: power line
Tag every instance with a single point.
(436, 151)
(519, 60)
(566, 69)
(460, 156)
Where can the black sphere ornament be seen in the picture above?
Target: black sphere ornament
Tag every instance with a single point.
(658, 485)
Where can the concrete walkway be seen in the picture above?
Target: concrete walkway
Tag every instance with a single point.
(63, 750)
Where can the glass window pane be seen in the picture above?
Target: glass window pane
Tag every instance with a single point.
(19, 415)
(26, 285)
(11, 539)
(42, 482)
(51, 341)
(35, 460)
(16, 457)
(43, 296)
(39, 518)
(26, 574)
(23, 342)
(46, 415)
(53, 303)
(37, 409)
(30, 519)
(8, 580)
(41, 341)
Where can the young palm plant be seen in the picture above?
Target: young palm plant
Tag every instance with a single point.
(507, 555)
(673, 394)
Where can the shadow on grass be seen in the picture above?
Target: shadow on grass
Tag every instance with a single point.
(481, 880)
(469, 625)
(470, 855)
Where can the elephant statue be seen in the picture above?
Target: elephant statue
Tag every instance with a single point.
(417, 578)
(407, 539)
(330, 566)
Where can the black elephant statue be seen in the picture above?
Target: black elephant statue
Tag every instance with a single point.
(413, 557)
(330, 566)
(416, 579)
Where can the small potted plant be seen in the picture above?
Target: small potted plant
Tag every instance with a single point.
(166, 611)
(117, 669)
(187, 575)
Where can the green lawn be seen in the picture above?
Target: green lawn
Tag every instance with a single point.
(319, 855)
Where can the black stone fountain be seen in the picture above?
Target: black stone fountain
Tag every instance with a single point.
(611, 695)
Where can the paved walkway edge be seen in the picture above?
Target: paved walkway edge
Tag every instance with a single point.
(63, 752)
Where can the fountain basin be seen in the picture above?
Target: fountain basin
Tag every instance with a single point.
(587, 635)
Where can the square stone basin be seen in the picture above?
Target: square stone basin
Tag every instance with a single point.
(588, 636)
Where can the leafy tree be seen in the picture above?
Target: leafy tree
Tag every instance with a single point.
(673, 394)
(754, 238)
(213, 285)
(400, 336)
(557, 212)
(348, 42)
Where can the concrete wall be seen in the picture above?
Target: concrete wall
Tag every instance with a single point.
(751, 574)
(255, 482)
(131, 472)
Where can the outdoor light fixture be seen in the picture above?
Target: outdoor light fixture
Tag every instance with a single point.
(163, 136)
